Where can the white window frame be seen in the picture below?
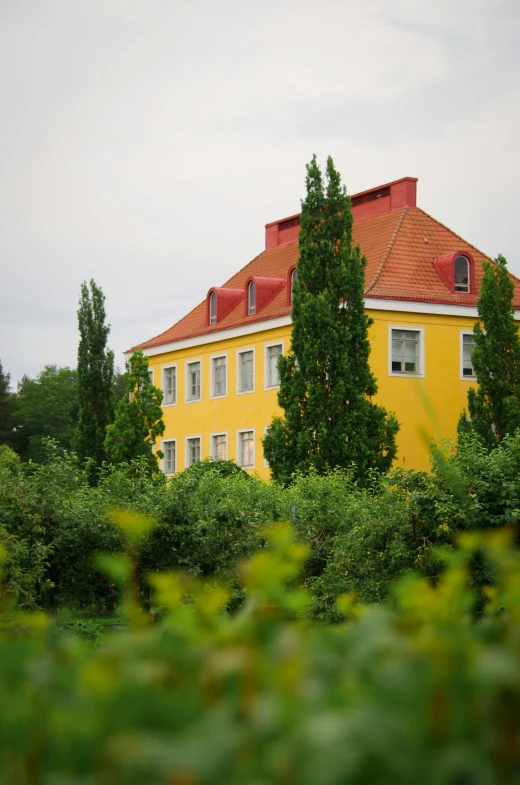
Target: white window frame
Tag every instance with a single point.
(211, 437)
(187, 380)
(465, 378)
(239, 370)
(408, 328)
(246, 430)
(251, 308)
(163, 462)
(268, 346)
(186, 453)
(211, 374)
(167, 368)
(266, 463)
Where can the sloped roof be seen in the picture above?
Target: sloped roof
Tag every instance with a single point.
(400, 247)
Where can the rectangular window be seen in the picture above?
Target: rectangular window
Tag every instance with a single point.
(192, 450)
(266, 431)
(406, 351)
(219, 376)
(193, 381)
(170, 457)
(246, 371)
(468, 344)
(246, 449)
(219, 446)
(170, 385)
(272, 353)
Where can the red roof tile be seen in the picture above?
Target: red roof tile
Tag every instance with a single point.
(400, 247)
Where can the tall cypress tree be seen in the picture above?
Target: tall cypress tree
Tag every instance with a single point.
(494, 406)
(95, 375)
(326, 384)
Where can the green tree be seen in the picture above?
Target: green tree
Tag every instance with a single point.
(138, 421)
(494, 406)
(326, 384)
(46, 407)
(95, 375)
(7, 400)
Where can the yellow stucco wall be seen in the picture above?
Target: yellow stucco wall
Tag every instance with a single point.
(426, 407)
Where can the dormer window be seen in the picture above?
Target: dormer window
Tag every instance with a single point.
(457, 271)
(461, 271)
(251, 298)
(294, 278)
(213, 308)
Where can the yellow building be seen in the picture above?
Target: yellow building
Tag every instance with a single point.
(217, 365)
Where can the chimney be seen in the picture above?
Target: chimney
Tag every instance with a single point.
(367, 204)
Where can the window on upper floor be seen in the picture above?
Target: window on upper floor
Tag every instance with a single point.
(192, 450)
(246, 371)
(218, 376)
(406, 352)
(251, 298)
(468, 344)
(461, 273)
(294, 278)
(213, 308)
(272, 353)
(170, 385)
(193, 374)
(169, 448)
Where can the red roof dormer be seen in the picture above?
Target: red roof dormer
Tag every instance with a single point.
(226, 300)
(265, 289)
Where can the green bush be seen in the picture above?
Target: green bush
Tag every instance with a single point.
(404, 694)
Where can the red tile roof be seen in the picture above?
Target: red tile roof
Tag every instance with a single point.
(400, 247)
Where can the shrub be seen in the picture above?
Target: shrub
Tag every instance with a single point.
(414, 692)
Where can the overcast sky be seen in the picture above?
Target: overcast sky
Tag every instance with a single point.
(145, 143)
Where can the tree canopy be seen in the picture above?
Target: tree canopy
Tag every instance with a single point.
(7, 421)
(138, 420)
(46, 406)
(326, 384)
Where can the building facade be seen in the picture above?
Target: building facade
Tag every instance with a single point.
(217, 366)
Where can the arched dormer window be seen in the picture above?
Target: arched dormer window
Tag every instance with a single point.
(457, 271)
(294, 278)
(213, 308)
(461, 271)
(251, 298)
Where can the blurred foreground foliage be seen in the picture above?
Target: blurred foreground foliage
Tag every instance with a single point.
(413, 691)
(211, 517)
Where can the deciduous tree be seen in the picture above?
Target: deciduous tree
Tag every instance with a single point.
(326, 385)
(46, 406)
(138, 421)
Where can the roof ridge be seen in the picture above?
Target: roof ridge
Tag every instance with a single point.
(388, 249)
(420, 210)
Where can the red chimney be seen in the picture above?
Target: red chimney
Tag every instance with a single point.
(367, 204)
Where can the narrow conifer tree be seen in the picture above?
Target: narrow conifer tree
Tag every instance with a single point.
(138, 421)
(494, 406)
(326, 384)
(95, 375)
